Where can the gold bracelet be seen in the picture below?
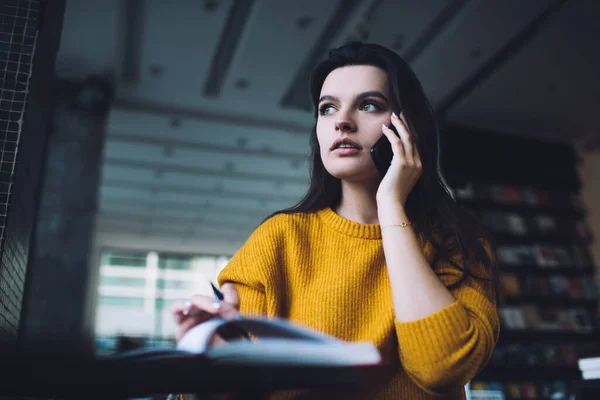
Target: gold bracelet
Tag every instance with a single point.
(401, 225)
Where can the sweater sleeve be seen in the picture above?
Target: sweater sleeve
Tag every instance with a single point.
(252, 270)
(449, 347)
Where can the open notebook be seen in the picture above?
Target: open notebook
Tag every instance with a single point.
(277, 342)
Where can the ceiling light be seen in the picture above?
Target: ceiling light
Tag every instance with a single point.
(242, 84)
(242, 142)
(210, 5)
(168, 151)
(476, 53)
(175, 123)
(156, 70)
(398, 42)
(304, 22)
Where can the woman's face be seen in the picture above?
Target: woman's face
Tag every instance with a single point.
(353, 104)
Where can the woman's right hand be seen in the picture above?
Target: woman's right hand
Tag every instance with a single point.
(199, 309)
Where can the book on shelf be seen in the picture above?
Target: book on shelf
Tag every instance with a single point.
(545, 256)
(519, 389)
(517, 195)
(542, 288)
(273, 342)
(547, 319)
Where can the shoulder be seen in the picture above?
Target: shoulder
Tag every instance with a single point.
(274, 232)
(260, 256)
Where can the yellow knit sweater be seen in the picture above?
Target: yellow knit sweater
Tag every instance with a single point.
(329, 273)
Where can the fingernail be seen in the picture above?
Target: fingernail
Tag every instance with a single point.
(187, 306)
(394, 115)
(216, 304)
(383, 126)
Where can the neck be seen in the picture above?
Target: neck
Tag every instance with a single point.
(358, 203)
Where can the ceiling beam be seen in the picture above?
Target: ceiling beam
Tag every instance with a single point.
(124, 222)
(348, 12)
(231, 33)
(132, 30)
(192, 170)
(500, 58)
(448, 13)
(196, 208)
(162, 232)
(169, 143)
(177, 221)
(217, 193)
(244, 121)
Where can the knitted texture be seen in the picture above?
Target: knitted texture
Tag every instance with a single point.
(329, 273)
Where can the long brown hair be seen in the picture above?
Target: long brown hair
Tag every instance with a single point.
(448, 226)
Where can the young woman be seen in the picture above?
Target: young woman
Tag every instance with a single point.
(393, 261)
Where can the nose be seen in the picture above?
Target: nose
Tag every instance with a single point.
(345, 125)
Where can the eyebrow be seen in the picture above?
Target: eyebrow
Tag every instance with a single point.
(372, 93)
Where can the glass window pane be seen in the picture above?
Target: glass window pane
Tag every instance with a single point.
(130, 302)
(122, 281)
(126, 259)
(173, 284)
(163, 304)
(174, 262)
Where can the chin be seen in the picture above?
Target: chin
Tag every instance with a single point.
(353, 173)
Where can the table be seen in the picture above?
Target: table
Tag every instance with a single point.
(53, 378)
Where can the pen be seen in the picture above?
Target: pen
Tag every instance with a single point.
(217, 292)
(220, 297)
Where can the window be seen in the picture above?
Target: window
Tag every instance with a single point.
(175, 262)
(124, 259)
(172, 284)
(122, 281)
(129, 302)
(136, 290)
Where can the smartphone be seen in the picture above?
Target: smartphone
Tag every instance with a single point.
(382, 153)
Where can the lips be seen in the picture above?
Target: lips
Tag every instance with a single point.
(347, 142)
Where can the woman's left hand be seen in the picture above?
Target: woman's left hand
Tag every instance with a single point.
(405, 169)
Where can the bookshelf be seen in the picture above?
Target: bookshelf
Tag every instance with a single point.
(549, 297)
(526, 192)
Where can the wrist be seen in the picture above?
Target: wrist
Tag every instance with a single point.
(391, 213)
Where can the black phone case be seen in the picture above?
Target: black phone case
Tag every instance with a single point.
(382, 153)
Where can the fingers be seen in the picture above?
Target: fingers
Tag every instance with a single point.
(405, 136)
(397, 146)
(206, 304)
(188, 314)
(416, 155)
(178, 310)
(199, 309)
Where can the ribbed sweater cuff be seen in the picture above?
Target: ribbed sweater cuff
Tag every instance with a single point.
(436, 337)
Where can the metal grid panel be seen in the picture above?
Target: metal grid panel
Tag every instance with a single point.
(19, 21)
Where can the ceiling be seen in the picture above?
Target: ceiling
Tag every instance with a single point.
(209, 130)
